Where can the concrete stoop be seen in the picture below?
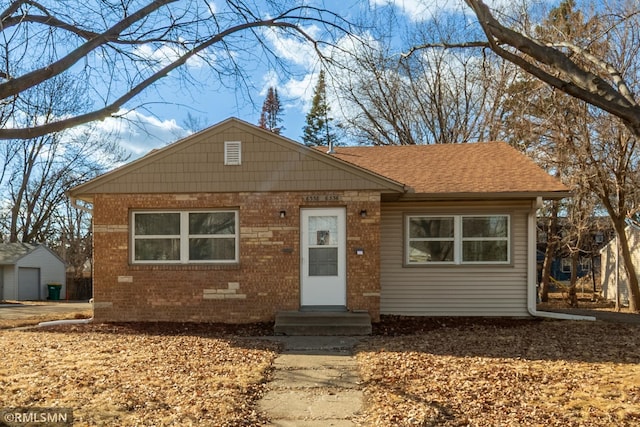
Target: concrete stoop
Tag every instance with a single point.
(320, 323)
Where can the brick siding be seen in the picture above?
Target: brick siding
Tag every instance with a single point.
(266, 279)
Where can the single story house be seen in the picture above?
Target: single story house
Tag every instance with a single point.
(613, 275)
(235, 223)
(26, 269)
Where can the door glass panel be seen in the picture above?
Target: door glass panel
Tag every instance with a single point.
(323, 261)
(323, 230)
(323, 245)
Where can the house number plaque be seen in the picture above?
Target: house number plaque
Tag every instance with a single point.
(322, 198)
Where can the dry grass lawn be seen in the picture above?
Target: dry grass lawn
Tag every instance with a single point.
(34, 320)
(119, 375)
(502, 373)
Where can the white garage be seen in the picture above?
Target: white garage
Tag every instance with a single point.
(26, 269)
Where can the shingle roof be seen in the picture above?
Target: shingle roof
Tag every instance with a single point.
(488, 167)
(10, 253)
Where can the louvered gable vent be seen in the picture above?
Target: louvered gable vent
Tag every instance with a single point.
(232, 153)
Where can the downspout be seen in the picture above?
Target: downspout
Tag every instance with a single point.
(531, 271)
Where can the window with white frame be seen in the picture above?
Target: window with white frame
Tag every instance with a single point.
(185, 237)
(457, 239)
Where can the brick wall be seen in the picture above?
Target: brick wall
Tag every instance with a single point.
(266, 280)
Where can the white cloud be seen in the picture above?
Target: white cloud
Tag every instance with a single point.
(138, 133)
(270, 79)
(213, 8)
(300, 91)
(420, 10)
(166, 54)
(298, 51)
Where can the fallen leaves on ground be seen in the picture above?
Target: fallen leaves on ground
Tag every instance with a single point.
(484, 372)
(123, 375)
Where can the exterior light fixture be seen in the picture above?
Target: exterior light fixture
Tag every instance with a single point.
(363, 213)
(283, 214)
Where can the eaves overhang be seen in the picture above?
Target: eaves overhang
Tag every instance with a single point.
(475, 196)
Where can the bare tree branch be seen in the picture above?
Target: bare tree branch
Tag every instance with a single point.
(102, 113)
(111, 62)
(573, 79)
(13, 8)
(607, 68)
(19, 84)
(464, 45)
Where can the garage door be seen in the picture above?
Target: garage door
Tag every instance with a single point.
(28, 283)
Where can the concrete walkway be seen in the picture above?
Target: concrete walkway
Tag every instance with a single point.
(315, 383)
(601, 315)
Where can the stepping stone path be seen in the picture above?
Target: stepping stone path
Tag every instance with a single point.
(315, 383)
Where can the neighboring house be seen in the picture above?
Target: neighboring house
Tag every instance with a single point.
(593, 239)
(26, 269)
(235, 223)
(616, 282)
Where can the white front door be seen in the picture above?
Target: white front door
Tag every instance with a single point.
(324, 278)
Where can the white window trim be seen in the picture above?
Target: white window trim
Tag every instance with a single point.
(184, 237)
(458, 240)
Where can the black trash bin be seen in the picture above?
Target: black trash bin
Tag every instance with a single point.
(54, 291)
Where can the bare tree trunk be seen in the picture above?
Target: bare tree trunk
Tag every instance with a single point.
(593, 278)
(549, 253)
(15, 211)
(573, 291)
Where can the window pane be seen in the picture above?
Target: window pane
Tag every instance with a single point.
(323, 230)
(492, 251)
(323, 261)
(157, 224)
(430, 227)
(212, 223)
(157, 249)
(434, 251)
(212, 249)
(485, 226)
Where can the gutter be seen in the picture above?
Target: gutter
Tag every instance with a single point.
(532, 276)
(74, 203)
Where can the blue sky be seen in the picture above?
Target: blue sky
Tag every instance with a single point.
(159, 114)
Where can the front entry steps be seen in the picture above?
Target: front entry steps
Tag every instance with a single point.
(336, 323)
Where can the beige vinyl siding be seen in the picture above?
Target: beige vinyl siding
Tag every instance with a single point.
(456, 290)
(269, 163)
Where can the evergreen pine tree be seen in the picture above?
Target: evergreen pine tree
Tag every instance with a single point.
(319, 129)
(270, 117)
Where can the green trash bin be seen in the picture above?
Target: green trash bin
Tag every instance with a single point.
(54, 291)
